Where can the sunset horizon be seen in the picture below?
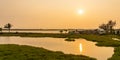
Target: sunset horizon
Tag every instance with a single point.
(62, 14)
(59, 29)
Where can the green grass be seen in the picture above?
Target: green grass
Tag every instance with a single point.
(116, 55)
(106, 40)
(22, 52)
(102, 40)
(36, 35)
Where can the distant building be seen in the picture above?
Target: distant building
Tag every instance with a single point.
(93, 31)
(117, 31)
(101, 31)
(83, 31)
(74, 31)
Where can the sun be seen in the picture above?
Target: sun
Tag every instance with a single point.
(80, 11)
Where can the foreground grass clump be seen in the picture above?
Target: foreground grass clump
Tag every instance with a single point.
(21, 52)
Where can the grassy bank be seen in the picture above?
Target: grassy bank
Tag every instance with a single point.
(21, 52)
(116, 55)
(55, 35)
(106, 40)
(102, 40)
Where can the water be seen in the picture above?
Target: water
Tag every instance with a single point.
(116, 39)
(79, 47)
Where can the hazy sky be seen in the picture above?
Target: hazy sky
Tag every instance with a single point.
(58, 13)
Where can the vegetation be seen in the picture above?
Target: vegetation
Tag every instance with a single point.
(22, 52)
(108, 27)
(34, 34)
(102, 40)
(8, 26)
(106, 40)
(55, 35)
(116, 55)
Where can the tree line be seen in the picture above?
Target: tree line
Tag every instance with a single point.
(7, 26)
(108, 27)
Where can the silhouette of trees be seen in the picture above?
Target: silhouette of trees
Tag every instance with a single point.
(103, 26)
(8, 26)
(108, 27)
(111, 24)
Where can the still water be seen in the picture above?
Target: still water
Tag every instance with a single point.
(78, 47)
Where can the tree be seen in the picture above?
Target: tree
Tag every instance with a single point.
(8, 26)
(108, 27)
(111, 24)
(103, 26)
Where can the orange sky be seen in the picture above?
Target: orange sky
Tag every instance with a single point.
(59, 13)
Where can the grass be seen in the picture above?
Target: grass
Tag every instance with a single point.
(35, 35)
(106, 40)
(22, 52)
(102, 40)
(116, 55)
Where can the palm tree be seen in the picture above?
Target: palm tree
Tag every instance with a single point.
(8, 26)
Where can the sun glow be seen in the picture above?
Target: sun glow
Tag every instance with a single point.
(80, 11)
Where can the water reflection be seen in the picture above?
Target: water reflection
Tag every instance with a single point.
(81, 48)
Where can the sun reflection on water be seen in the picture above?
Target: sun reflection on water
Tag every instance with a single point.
(81, 48)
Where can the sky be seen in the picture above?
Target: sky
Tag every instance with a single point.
(58, 14)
